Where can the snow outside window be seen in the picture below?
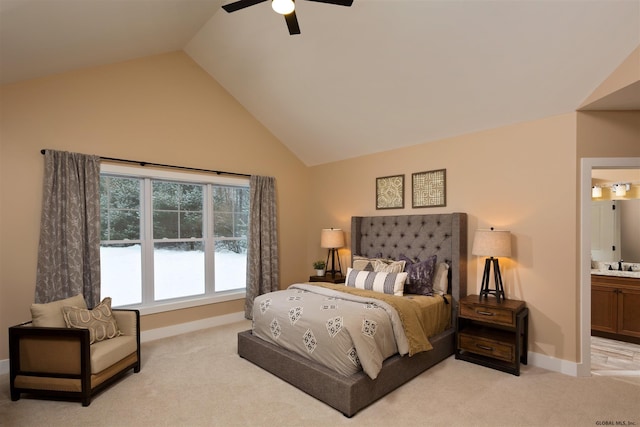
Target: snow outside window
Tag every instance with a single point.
(172, 238)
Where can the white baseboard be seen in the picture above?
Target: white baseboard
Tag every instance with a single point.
(553, 364)
(170, 331)
(183, 328)
(535, 359)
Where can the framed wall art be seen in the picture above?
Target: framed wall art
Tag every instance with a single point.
(429, 189)
(390, 192)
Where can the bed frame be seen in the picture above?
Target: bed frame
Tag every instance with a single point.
(414, 236)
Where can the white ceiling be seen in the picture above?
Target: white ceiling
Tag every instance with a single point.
(373, 77)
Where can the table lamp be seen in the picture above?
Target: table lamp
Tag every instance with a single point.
(332, 239)
(492, 244)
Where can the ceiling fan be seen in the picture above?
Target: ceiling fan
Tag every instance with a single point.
(283, 7)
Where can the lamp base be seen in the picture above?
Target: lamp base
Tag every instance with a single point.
(499, 290)
(332, 254)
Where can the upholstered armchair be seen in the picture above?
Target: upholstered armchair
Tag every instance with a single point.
(72, 362)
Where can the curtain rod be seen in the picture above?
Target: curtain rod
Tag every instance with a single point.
(112, 159)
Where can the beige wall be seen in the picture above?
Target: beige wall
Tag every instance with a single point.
(162, 109)
(520, 178)
(165, 109)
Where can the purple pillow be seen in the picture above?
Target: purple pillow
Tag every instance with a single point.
(419, 275)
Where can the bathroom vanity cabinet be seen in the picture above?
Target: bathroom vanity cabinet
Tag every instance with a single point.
(615, 307)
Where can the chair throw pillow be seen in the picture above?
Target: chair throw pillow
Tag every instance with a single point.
(50, 315)
(100, 321)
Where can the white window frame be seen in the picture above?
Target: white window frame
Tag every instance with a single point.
(185, 177)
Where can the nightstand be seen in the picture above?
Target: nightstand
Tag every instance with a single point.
(327, 278)
(493, 333)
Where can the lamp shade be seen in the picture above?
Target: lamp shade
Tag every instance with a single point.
(331, 238)
(492, 243)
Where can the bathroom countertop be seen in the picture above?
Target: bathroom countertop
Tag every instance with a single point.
(617, 273)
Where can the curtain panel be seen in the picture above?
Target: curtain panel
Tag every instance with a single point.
(262, 253)
(69, 248)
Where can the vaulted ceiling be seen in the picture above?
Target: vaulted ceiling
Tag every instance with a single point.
(375, 76)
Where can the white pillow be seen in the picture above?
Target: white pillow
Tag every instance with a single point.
(386, 283)
(441, 280)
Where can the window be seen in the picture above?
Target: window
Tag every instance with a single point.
(172, 238)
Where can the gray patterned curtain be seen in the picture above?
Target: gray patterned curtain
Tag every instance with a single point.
(262, 253)
(69, 250)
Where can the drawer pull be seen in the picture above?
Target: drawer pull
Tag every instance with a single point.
(485, 313)
(484, 347)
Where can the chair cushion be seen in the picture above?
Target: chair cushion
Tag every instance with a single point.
(127, 321)
(100, 321)
(106, 353)
(50, 315)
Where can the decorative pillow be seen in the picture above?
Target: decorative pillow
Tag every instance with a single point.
(368, 264)
(389, 267)
(420, 276)
(363, 264)
(441, 279)
(100, 321)
(50, 315)
(386, 283)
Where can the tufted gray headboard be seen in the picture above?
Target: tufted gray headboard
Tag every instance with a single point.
(416, 237)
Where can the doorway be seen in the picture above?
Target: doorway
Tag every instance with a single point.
(587, 166)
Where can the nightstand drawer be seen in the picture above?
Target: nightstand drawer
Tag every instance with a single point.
(488, 314)
(487, 347)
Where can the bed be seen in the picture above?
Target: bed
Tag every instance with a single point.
(412, 236)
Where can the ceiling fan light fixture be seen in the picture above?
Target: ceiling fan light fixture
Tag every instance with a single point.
(283, 7)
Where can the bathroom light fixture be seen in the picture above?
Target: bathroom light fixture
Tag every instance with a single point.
(283, 7)
(492, 244)
(332, 239)
(620, 189)
(596, 191)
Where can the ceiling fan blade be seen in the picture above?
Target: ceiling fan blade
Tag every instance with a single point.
(292, 23)
(337, 2)
(241, 4)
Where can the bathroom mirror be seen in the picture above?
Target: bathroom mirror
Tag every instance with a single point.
(616, 219)
(615, 230)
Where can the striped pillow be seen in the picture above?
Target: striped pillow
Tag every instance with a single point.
(386, 283)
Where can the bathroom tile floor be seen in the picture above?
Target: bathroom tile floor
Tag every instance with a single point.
(615, 358)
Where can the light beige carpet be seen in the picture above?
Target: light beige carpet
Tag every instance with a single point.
(197, 379)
